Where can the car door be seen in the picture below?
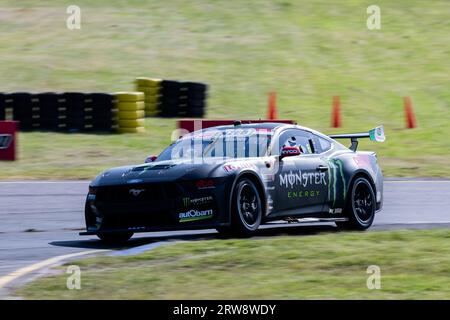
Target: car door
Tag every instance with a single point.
(301, 181)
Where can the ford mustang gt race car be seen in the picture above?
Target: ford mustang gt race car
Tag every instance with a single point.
(235, 178)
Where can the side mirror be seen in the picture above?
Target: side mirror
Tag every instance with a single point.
(290, 152)
(150, 158)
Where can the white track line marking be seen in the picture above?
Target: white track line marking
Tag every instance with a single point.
(417, 181)
(36, 266)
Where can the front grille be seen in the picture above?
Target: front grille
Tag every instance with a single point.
(138, 193)
(138, 205)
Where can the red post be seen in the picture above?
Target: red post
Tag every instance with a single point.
(336, 112)
(8, 140)
(272, 107)
(409, 113)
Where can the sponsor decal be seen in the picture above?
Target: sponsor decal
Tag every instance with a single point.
(136, 192)
(336, 180)
(230, 167)
(5, 141)
(187, 202)
(193, 215)
(293, 179)
(205, 184)
(377, 134)
(303, 194)
(362, 160)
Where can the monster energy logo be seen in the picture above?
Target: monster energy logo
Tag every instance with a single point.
(196, 201)
(335, 169)
(304, 179)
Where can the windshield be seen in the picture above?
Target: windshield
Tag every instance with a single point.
(225, 143)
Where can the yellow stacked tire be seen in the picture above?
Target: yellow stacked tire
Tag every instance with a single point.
(151, 89)
(131, 113)
(147, 82)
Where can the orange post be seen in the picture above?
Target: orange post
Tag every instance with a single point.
(272, 107)
(336, 112)
(409, 113)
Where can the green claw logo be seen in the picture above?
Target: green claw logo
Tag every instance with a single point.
(334, 183)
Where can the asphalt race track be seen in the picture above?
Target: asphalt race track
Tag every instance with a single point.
(40, 220)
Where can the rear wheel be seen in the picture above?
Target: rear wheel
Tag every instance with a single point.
(361, 206)
(115, 238)
(246, 209)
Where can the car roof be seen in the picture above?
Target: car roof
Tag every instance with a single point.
(260, 125)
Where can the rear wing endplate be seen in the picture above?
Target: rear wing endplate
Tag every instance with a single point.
(376, 134)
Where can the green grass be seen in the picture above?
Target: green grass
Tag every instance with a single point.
(306, 51)
(413, 264)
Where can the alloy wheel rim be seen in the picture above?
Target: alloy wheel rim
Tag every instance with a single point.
(248, 205)
(363, 202)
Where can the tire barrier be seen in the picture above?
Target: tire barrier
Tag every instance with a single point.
(2, 107)
(68, 111)
(168, 98)
(152, 91)
(131, 112)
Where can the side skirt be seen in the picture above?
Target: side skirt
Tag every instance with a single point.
(305, 220)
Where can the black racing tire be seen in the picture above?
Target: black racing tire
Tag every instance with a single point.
(361, 206)
(115, 238)
(246, 210)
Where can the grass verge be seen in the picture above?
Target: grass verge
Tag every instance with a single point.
(414, 265)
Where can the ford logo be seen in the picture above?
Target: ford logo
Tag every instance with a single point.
(136, 192)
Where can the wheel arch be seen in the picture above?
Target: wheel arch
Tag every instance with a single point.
(361, 174)
(255, 178)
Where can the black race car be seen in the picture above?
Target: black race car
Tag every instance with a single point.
(235, 178)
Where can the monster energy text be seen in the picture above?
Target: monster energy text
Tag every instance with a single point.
(304, 179)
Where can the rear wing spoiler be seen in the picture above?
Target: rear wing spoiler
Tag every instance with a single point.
(376, 134)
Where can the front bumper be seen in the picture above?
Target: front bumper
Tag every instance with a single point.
(156, 207)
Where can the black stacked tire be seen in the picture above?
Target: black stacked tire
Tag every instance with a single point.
(75, 111)
(22, 105)
(51, 111)
(101, 106)
(2, 107)
(170, 100)
(196, 99)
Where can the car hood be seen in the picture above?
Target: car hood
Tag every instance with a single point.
(169, 170)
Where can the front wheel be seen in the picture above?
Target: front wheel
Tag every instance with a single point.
(115, 238)
(246, 209)
(361, 206)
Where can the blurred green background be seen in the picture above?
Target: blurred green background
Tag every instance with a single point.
(306, 51)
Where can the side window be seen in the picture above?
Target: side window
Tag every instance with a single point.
(323, 144)
(299, 138)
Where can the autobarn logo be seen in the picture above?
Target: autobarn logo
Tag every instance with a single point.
(197, 201)
(5, 141)
(136, 192)
(193, 215)
(293, 179)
